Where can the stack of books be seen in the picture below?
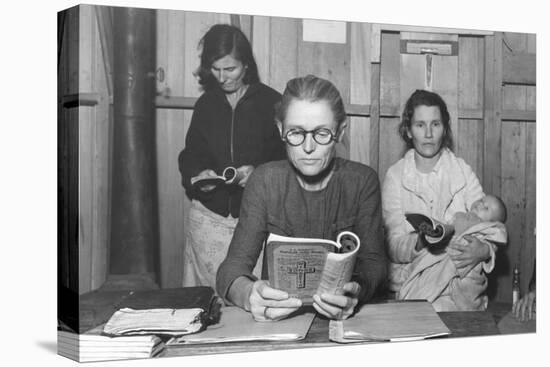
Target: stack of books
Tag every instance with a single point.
(93, 347)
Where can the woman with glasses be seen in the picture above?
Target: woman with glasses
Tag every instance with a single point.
(233, 125)
(312, 194)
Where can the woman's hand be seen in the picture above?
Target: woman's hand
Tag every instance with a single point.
(525, 308)
(205, 174)
(468, 256)
(243, 172)
(338, 306)
(270, 304)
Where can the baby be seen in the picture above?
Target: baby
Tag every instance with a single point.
(436, 277)
(487, 209)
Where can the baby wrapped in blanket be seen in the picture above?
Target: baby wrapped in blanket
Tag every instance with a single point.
(436, 278)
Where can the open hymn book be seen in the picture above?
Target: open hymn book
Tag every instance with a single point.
(228, 176)
(432, 230)
(307, 266)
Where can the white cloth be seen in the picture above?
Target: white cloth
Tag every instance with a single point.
(207, 239)
(450, 187)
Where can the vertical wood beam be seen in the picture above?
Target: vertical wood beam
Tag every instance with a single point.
(492, 120)
(375, 116)
(105, 29)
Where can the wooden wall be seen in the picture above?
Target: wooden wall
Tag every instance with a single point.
(84, 109)
(518, 176)
(371, 74)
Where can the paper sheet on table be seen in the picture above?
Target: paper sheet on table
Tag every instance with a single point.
(392, 321)
(238, 325)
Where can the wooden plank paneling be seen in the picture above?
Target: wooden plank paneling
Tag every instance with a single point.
(245, 22)
(390, 64)
(519, 103)
(528, 252)
(374, 151)
(471, 57)
(85, 142)
(68, 233)
(329, 61)
(360, 93)
(360, 50)
(469, 147)
(171, 50)
(445, 83)
(261, 45)
(105, 31)
(513, 195)
(360, 138)
(519, 69)
(391, 145)
(102, 165)
(493, 106)
(514, 96)
(93, 151)
(469, 134)
(283, 55)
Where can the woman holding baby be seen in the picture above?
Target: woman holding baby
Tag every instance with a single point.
(431, 180)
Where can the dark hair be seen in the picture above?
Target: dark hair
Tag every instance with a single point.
(222, 40)
(426, 98)
(311, 88)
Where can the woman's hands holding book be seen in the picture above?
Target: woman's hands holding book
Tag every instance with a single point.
(270, 304)
(338, 306)
(207, 173)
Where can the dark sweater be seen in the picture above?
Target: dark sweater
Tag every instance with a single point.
(274, 202)
(219, 137)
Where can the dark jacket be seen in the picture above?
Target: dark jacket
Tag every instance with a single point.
(219, 137)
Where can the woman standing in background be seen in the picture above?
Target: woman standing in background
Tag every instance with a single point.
(233, 125)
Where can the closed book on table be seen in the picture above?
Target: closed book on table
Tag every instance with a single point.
(175, 311)
(93, 346)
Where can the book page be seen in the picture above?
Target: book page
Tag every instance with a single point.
(295, 265)
(339, 266)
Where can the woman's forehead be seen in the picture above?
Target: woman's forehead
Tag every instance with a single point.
(226, 61)
(309, 114)
(423, 112)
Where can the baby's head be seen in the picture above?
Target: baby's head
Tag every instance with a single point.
(490, 209)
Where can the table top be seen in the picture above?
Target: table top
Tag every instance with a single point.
(461, 324)
(98, 306)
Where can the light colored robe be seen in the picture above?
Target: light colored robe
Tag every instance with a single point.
(451, 187)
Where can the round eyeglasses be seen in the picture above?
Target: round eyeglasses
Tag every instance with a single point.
(322, 136)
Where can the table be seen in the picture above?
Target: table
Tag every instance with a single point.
(98, 306)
